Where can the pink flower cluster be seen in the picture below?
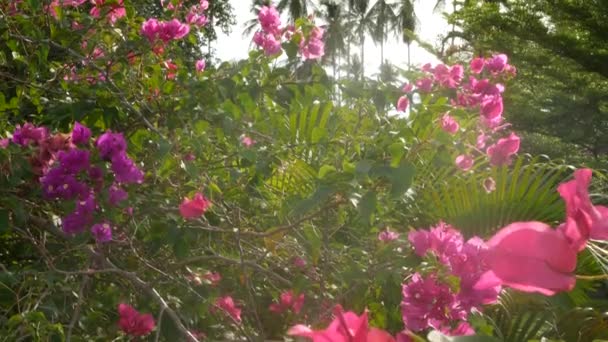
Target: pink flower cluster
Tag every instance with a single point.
(482, 94)
(288, 301)
(165, 31)
(67, 173)
(195, 207)
(133, 323)
(112, 10)
(346, 327)
(270, 36)
(227, 306)
(461, 259)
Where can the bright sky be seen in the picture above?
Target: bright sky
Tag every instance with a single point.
(234, 46)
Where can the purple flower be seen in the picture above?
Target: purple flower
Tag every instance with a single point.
(74, 161)
(125, 169)
(428, 303)
(74, 223)
(29, 133)
(77, 221)
(58, 184)
(110, 144)
(116, 195)
(80, 134)
(102, 232)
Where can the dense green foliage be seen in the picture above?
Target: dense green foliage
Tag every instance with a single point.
(559, 48)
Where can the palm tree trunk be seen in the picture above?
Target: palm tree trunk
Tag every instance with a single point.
(409, 63)
(362, 40)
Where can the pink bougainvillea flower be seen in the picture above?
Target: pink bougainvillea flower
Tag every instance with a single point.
(272, 45)
(125, 170)
(407, 88)
(448, 77)
(491, 107)
(481, 140)
(585, 220)
(227, 305)
(299, 262)
(110, 144)
(449, 124)
(114, 11)
(425, 84)
(346, 327)
(429, 303)
(427, 68)
(171, 69)
(102, 232)
(150, 28)
(80, 133)
(269, 19)
(500, 153)
(247, 141)
(530, 257)
(4, 143)
(214, 278)
(172, 30)
(196, 19)
(313, 48)
(29, 134)
(195, 207)
(402, 103)
(116, 195)
(497, 63)
(388, 235)
(464, 162)
(288, 301)
(477, 65)
(462, 329)
(133, 323)
(200, 65)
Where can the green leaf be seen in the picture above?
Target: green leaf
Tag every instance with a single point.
(367, 206)
(4, 221)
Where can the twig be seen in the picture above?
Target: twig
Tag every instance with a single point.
(158, 326)
(76, 315)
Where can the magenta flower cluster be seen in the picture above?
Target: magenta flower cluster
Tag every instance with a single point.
(270, 36)
(479, 93)
(430, 301)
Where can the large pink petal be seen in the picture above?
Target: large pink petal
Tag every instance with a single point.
(377, 335)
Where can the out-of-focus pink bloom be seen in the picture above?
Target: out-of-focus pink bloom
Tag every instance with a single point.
(55, 4)
(346, 327)
(171, 69)
(170, 6)
(313, 47)
(227, 305)
(80, 133)
(491, 107)
(150, 28)
(288, 301)
(196, 19)
(481, 140)
(425, 84)
(407, 88)
(388, 235)
(500, 153)
(511, 70)
(427, 68)
(189, 156)
(200, 65)
(477, 65)
(299, 262)
(213, 277)
(449, 124)
(584, 219)
(4, 143)
(172, 30)
(133, 323)
(530, 257)
(76, 26)
(402, 103)
(448, 77)
(497, 63)
(29, 134)
(247, 141)
(195, 207)
(114, 11)
(462, 329)
(271, 45)
(270, 19)
(464, 162)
